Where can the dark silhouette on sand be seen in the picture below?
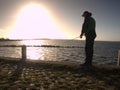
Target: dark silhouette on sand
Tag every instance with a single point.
(88, 29)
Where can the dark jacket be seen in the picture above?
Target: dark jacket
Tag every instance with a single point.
(88, 27)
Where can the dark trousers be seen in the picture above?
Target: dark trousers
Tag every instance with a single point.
(89, 50)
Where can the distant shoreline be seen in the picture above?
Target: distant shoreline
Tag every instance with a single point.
(51, 39)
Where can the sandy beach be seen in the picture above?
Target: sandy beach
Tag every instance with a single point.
(49, 75)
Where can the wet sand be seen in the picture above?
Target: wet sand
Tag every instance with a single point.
(50, 75)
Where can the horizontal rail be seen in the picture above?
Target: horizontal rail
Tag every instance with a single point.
(11, 45)
(52, 46)
(20, 45)
(24, 49)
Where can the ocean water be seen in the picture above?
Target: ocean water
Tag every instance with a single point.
(62, 50)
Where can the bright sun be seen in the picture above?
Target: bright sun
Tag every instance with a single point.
(34, 22)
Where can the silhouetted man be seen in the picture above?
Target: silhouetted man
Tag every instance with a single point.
(88, 29)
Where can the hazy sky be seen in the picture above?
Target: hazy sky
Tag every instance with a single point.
(66, 15)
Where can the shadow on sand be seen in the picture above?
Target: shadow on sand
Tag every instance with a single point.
(97, 76)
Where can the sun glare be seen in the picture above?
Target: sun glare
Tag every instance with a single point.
(34, 21)
(34, 54)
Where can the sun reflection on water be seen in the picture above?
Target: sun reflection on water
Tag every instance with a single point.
(33, 42)
(35, 53)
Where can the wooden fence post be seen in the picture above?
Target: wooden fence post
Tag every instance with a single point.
(24, 53)
(119, 58)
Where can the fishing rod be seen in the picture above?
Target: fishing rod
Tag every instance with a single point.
(76, 37)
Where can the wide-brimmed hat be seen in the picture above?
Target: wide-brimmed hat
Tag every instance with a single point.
(86, 13)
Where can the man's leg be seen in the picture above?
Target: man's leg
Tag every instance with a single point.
(89, 51)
